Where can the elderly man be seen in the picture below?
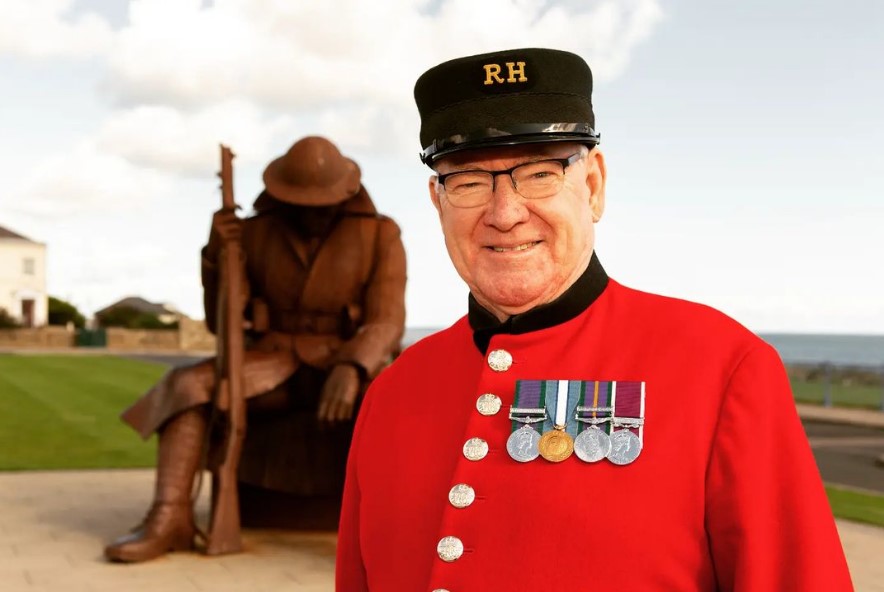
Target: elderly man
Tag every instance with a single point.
(326, 285)
(569, 432)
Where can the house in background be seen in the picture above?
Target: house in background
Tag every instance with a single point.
(23, 279)
(166, 313)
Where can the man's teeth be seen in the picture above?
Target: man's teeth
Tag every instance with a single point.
(517, 248)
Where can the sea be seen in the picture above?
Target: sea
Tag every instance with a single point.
(839, 350)
(794, 348)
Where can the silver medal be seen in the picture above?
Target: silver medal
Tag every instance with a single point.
(522, 444)
(625, 447)
(592, 445)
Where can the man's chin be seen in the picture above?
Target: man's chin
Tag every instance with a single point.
(515, 300)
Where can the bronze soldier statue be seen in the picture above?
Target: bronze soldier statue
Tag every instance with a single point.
(325, 287)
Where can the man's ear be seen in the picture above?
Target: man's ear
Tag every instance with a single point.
(433, 186)
(596, 175)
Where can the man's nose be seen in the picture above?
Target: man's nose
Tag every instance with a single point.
(507, 206)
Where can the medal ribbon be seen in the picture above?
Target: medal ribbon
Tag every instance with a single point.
(562, 398)
(595, 393)
(628, 401)
(530, 394)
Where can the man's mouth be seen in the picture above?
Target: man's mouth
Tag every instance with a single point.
(521, 247)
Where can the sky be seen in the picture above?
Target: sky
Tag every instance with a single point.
(745, 167)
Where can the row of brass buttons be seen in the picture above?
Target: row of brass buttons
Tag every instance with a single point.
(450, 548)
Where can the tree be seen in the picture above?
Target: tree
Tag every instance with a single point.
(7, 321)
(62, 313)
(132, 318)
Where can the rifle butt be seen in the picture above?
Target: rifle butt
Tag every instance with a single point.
(224, 533)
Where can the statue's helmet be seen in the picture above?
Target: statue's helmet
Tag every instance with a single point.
(312, 173)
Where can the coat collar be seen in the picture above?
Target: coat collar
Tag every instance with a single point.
(588, 287)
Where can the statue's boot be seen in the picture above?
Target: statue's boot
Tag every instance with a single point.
(169, 524)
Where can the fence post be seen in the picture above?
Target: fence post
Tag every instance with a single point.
(827, 384)
(881, 407)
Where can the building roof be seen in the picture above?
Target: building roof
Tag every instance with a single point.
(6, 233)
(141, 305)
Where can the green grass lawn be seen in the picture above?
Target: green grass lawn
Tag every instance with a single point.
(855, 505)
(842, 395)
(62, 412)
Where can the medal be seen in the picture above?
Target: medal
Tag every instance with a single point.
(556, 445)
(522, 444)
(528, 408)
(592, 444)
(628, 402)
(625, 447)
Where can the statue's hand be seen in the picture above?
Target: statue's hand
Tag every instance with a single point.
(226, 226)
(339, 394)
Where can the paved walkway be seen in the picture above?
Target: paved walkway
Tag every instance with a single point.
(53, 525)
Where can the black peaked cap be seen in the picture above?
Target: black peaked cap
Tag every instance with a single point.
(503, 98)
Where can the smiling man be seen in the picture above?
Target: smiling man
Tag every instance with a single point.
(569, 432)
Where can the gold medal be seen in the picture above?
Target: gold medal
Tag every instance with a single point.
(556, 445)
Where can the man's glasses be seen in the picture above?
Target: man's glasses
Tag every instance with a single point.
(532, 180)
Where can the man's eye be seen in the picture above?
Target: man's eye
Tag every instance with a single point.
(466, 183)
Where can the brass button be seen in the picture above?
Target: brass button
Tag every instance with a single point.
(449, 549)
(488, 404)
(461, 495)
(500, 360)
(475, 449)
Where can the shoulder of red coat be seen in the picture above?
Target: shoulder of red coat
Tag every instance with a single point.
(677, 316)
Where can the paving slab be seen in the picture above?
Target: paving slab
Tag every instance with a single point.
(54, 524)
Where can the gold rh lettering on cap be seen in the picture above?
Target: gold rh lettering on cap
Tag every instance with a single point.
(516, 73)
(520, 70)
(492, 74)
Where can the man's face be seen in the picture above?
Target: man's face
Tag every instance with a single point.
(516, 253)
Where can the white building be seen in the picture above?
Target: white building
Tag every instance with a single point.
(23, 279)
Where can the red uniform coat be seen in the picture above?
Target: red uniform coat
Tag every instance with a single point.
(724, 496)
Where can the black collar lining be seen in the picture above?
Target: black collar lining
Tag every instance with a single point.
(588, 287)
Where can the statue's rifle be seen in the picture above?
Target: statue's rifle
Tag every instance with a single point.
(224, 527)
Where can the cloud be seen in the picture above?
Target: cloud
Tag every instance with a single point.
(184, 75)
(348, 65)
(308, 55)
(85, 181)
(40, 29)
(180, 76)
(168, 139)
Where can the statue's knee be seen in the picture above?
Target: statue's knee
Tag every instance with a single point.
(185, 381)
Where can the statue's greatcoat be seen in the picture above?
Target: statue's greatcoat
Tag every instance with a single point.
(323, 301)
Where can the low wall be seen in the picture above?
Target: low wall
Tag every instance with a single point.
(190, 336)
(193, 336)
(40, 337)
(141, 339)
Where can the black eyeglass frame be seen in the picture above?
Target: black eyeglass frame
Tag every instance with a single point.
(565, 162)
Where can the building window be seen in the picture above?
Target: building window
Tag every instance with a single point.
(29, 266)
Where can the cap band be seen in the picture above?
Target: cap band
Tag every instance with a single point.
(512, 134)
